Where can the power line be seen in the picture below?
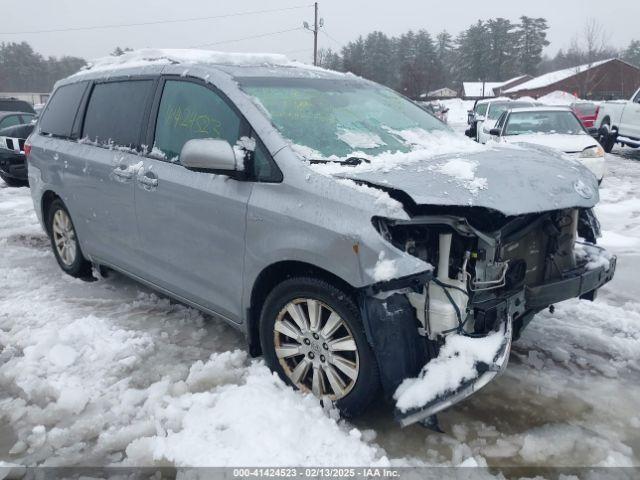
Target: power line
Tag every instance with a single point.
(331, 38)
(157, 22)
(260, 35)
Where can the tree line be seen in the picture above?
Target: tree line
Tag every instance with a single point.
(24, 70)
(497, 49)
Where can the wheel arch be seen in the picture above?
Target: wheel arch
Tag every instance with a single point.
(45, 203)
(271, 276)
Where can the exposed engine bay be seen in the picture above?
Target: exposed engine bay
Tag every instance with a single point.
(492, 273)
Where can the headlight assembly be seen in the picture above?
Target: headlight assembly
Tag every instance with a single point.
(592, 152)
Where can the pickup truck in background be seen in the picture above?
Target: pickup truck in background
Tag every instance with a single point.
(619, 122)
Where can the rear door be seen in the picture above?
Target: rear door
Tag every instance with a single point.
(630, 125)
(99, 171)
(192, 224)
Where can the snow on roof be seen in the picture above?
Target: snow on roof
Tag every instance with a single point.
(474, 89)
(154, 56)
(554, 77)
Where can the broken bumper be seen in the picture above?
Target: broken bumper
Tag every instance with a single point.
(485, 373)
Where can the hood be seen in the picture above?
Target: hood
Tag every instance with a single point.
(512, 181)
(561, 142)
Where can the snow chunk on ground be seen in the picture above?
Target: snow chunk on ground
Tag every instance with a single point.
(455, 364)
(215, 426)
(357, 139)
(384, 269)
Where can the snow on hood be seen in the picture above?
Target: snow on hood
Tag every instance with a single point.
(448, 169)
(557, 141)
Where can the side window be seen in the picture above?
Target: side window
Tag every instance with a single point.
(189, 110)
(264, 168)
(9, 121)
(501, 120)
(61, 110)
(482, 109)
(27, 118)
(115, 112)
(637, 99)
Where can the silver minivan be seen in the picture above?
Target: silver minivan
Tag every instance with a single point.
(356, 240)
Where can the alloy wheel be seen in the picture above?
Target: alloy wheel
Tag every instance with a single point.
(64, 237)
(316, 348)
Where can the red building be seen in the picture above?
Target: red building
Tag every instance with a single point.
(603, 80)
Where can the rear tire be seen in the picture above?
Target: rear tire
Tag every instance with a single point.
(64, 241)
(606, 137)
(13, 182)
(345, 372)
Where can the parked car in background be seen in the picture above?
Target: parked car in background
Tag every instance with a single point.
(555, 127)
(477, 113)
(437, 109)
(10, 119)
(13, 165)
(306, 208)
(494, 110)
(9, 104)
(587, 112)
(619, 122)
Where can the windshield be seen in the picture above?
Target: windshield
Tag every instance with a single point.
(522, 123)
(585, 109)
(496, 109)
(340, 117)
(481, 109)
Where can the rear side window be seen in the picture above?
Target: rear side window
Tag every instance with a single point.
(15, 106)
(115, 112)
(9, 121)
(188, 110)
(61, 110)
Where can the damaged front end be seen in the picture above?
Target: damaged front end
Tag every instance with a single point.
(441, 335)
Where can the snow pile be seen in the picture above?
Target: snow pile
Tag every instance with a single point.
(357, 139)
(157, 56)
(455, 364)
(558, 97)
(227, 407)
(463, 171)
(384, 269)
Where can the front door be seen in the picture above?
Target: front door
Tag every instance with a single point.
(192, 224)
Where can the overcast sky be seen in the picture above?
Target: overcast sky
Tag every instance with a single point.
(344, 20)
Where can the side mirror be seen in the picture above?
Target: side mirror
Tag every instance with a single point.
(209, 155)
(494, 132)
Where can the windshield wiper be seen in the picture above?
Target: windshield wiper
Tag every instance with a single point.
(351, 161)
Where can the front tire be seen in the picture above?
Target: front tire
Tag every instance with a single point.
(64, 241)
(606, 137)
(312, 336)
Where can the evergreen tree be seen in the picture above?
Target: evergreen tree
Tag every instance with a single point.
(445, 54)
(500, 46)
(531, 39)
(632, 53)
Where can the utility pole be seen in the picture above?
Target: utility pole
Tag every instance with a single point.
(315, 34)
(317, 24)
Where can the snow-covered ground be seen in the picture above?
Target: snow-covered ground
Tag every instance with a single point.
(110, 373)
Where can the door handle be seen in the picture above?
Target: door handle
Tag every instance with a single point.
(123, 171)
